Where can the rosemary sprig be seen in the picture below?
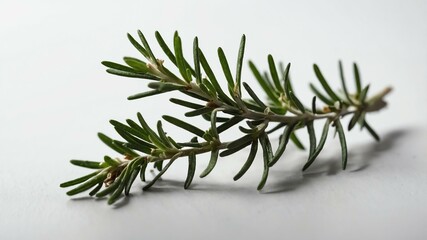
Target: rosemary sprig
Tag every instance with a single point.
(143, 145)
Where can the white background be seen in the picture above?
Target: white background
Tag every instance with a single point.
(55, 96)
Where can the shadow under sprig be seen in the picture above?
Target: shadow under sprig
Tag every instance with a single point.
(364, 158)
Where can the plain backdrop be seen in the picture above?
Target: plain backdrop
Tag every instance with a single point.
(55, 96)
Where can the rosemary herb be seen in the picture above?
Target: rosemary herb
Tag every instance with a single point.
(142, 145)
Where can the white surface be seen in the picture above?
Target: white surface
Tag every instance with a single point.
(55, 95)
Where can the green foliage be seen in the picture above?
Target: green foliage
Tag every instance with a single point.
(141, 145)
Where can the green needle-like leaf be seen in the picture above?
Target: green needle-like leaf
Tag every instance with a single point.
(212, 79)
(87, 164)
(275, 128)
(147, 47)
(136, 64)
(249, 161)
(254, 96)
(344, 86)
(263, 83)
(287, 80)
(207, 117)
(239, 66)
(312, 137)
(175, 144)
(371, 131)
(144, 94)
(226, 69)
(180, 61)
(282, 144)
(267, 156)
(357, 78)
(191, 144)
(234, 150)
(156, 140)
(138, 46)
(228, 124)
(354, 120)
(119, 190)
(140, 145)
(162, 135)
(296, 102)
(189, 73)
(363, 94)
(159, 165)
(186, 104)
(240, 141)
(320, 146)
(246, 130)
(118, 67)
(278, 110)
(88, 184)
(273, 72)
(210, 88)
(109, 142)
(208, 91)
(142, 133)
(324, 83)
(150, 184)
(321, 96)
(133, 146)
(191, 170)
(361, 120)
(132, 178)
(250, 104)
(78, 180)
(211, 164)
(111, 162)
(142, 171)
(296, 141)
(313, 105)
(129, 152)
(184, 125)
(165, 87)
(197, 60)
(341, 136)
(213, 123)
(269, 82)
(132, 74)
(169, 53)
(96, 189)
(196, 96)
(137, 133)
(165, 47)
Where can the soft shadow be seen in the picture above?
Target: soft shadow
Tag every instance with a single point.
(369, 153)
(289, 182)
(169, 185)
(374, 150)
(123, 201)
(165, 185)
(85, 198)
